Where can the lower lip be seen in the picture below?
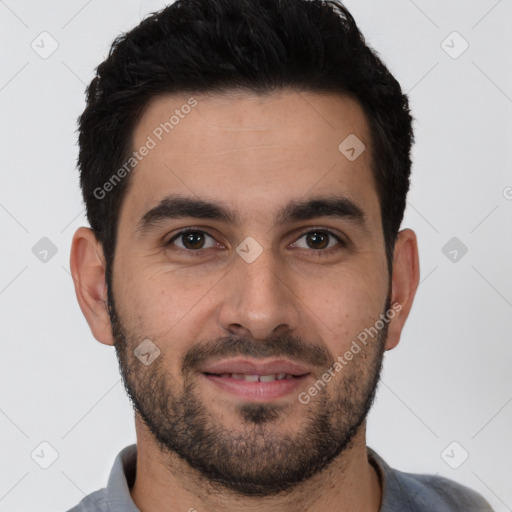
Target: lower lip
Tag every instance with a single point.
(257, 391)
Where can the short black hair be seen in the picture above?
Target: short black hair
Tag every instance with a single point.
(260, 46)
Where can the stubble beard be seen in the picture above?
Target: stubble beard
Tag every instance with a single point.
(259, 458)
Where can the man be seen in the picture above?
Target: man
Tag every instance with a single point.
(245, 165)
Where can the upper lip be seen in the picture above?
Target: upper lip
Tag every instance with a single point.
(255, 367)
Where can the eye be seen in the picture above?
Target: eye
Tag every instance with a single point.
(319, 239)
(192, 240)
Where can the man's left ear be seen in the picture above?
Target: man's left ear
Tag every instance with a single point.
(405, 280)
(87, 264)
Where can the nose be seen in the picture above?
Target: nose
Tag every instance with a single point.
(259, 301)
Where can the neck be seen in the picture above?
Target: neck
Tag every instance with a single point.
(165, 482)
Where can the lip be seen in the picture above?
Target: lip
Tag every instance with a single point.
(256, 367)
(257, 391)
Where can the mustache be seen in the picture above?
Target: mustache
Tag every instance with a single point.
(293, 348)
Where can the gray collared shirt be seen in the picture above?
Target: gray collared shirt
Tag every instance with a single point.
(402, 492)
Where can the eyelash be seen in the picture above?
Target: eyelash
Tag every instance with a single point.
(317, 252)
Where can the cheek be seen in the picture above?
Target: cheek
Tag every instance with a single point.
(345, 306)
(165, 306)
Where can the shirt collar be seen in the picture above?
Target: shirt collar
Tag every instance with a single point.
(121, 480)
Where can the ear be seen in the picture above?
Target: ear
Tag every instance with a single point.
(87, 264)
(405, 280)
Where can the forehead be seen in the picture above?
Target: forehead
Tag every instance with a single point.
(255, 152)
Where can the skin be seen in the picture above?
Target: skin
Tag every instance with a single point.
(254, 154)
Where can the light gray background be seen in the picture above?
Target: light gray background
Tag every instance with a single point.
(449, 379)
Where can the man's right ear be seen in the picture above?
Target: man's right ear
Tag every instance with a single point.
(87, 263)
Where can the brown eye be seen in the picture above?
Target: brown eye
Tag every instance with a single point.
(318, 240)
(192, 240)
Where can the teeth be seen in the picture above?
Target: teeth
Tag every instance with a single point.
(255, 378)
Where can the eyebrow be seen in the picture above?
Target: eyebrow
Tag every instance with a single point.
(178, 206)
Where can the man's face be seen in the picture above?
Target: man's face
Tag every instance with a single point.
(280, 293)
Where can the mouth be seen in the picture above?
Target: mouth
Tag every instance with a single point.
(255, 377)
(256, 381)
